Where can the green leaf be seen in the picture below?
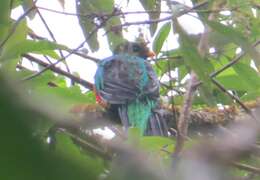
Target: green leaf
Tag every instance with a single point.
(160, 37)
(201, 66)
(134, 135)
(34, 160)
(30, 46)
(240, 77)
(238, 38)
(89, 27)
(251, 95)
(67, 149)
(90, 97)
(17, 36)
(16, 3)
(5, 12)
(152, 5)
(66, 97)
(157, 143)
(248, 75)
(232, 82)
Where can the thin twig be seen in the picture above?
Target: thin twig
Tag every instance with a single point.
(248, 111)
(96, 60)
(53, 65)
(161, 19)
(102, 14)
(231, 63)
(17, 22)
(76, 79)
(72, 52)
(246, 167)
(52, 36)
(84, 144)
(183, 122)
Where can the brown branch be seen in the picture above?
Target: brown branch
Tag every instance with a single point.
(234, 61)
(102, 14)
(76, 79)
(188, 10)
(72, 52)
(183, 122)
(96, 60)
(52, 65)
(246, 167)
(53, 37)
(233, 97)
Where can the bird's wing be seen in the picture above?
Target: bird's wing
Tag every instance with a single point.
(124, 78)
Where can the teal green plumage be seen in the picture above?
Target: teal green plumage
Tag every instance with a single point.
(130, 86)
(139, 113)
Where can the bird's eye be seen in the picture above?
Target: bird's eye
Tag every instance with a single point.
(136, 48)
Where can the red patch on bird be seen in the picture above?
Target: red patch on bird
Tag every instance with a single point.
(99, 99)
(101, 102)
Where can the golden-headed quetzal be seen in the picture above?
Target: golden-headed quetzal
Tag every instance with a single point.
(127, 83)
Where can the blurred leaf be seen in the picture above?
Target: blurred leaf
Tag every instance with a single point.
(255, 31)
(27, 4)
(62, 3)
(157, 143)
(217, 40)
(89, 24)
(232, 82)
(201, 66)
(33, 160)
(251, 95)
(248, 75)
(26, 46)
(65, 96)
(90, 97)
(221, 97)
(163, 66)
(15, 3)
(18, 36)
(152, 5)
(149, 143)
(67, 149)
(134, 135)
(160, 37)
(238, 38)
(240, 77)
(182, 72)
(5, 12)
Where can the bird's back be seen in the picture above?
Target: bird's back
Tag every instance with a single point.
(129, 84)
(123, 78)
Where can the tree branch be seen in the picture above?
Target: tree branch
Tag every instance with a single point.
(76, 79)
(17, 22)
(53, 37)
(183, 122)
(96, 60)
(246, 167)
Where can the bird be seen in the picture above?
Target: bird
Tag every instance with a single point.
(126, 84)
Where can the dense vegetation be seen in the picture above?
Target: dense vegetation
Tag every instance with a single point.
(47, 124)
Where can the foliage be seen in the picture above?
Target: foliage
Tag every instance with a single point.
(31, 109)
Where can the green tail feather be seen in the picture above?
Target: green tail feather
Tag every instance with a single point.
(139, 113)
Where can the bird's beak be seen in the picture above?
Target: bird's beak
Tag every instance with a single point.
(151, 54)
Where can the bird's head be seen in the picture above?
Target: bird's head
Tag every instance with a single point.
(138, 49)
